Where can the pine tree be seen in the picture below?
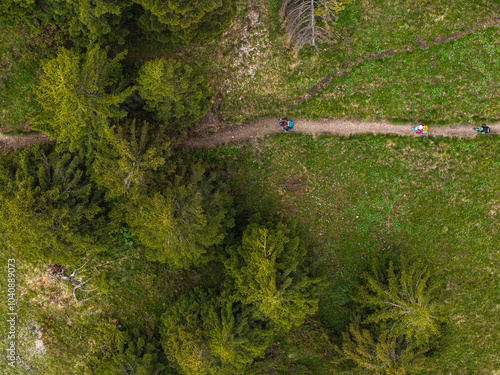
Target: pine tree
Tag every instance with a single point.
(407, 300)
(186, 21)
(49, 209)
(173, 92)
(126, 163)
(267, 272)
(74, 93)
(179, 223)
(389, 355)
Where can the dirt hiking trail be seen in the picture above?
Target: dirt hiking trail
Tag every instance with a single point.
(266, 126)
(263, 127)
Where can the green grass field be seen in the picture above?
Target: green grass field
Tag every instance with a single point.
(452, 82)
(434, 197)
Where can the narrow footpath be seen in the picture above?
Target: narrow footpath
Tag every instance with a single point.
(263, 127)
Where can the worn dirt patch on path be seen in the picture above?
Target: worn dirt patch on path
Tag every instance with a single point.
(13, 141)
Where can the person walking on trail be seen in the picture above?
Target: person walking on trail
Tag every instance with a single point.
(482, 129)
(421, 129)
(286, 124)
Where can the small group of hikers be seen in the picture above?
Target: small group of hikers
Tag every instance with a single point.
(420, 129)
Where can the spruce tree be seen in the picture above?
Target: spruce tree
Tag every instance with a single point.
(388, 355)
(128, 162)
(173, 92)
(182, 334)
(179, 223)
(408, 300)
(207, 333)
(235, 336)
(268, 273)
(49, 209)
(131, 354)
(186, 21)
(75, 93)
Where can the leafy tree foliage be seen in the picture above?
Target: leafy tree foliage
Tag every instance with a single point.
(408, 299)
(173, 92)
(49, 208)
(267, 273)
(187, 21)
(126, 162)
(389, 355)
(77, 99)
(209, 334)
(131, 355)
(178, 223)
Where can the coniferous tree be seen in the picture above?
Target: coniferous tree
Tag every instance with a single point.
(178, 223)
(407, 299)
(127, 162)
(186, 21)
(75, 94)
(182, 334)
(131, 355)
(49, 209)
(235, 336)
(310, 21)
(173, 92)
(206, 333)
(267, 273)
(16, 10)
(388, 355)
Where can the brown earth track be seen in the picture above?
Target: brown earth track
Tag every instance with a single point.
(260, 128)
(266, 126)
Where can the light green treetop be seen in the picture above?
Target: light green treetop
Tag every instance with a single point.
(74, 94)
(266, 272)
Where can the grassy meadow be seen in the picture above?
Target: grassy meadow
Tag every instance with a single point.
(434, 197)
(452, 81)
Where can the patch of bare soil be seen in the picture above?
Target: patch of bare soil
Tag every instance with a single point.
(263, 127)
(13, 141)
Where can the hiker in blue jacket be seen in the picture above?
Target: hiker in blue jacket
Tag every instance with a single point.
(482, 129)
(286, 124)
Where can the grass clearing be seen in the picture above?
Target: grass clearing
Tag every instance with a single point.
(435, 197)
(257, 75)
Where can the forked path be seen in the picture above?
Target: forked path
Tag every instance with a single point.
(266, 126)
(263, 127)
